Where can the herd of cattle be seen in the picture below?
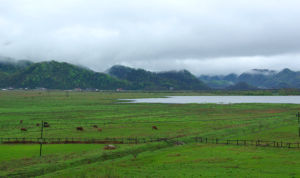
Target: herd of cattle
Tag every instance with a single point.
(46, 124)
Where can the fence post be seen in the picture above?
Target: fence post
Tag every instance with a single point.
(41, 142)
(227, 142)
(216, 141)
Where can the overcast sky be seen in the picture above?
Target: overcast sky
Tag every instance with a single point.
(203, 36)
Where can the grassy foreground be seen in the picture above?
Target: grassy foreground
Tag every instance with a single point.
(67, 110)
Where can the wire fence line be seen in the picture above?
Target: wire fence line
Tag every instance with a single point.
(261, 143)
(82, 140)
(137, 140)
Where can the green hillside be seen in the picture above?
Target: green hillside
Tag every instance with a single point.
(62, 75)
(142, 79)
(56, 75)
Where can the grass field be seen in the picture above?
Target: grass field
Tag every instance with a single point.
(65, 111)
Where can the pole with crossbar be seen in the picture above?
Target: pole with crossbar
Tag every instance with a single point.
(41, 139)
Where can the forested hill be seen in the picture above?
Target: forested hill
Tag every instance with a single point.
(56, 75)
(10, 67)
(142, 79)
(61, 75)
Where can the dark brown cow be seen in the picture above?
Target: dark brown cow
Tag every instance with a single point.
(100, 129)
(79, 128)
(154, 128)
(95, 126)
(23, 129)
(21, 121)
(46, 124)
(37, 124)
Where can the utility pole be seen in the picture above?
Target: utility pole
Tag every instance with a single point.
(298, 116)
(41, 139)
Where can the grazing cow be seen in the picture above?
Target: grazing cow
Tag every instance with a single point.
(21, 121)
(95, 126)
(154, 128)
(79, 128)
(100, 129)
(23, 129)
(109, 147)
(37, 124)
(46, 124)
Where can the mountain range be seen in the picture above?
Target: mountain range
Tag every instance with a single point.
(259, 78)
(61, 75)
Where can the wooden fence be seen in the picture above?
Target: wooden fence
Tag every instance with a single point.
(262, 143)
(80, 140)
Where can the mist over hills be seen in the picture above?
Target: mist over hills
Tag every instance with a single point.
(260, 78)
(61, 75)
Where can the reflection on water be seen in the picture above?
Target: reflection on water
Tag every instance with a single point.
(220, 99)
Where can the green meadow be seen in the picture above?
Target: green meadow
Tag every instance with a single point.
(65, 111)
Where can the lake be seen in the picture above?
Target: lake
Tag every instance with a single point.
(220, 99)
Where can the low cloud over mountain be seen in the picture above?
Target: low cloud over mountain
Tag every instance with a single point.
(205, 37)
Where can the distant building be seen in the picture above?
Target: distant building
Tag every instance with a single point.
(119, 89)
(91, 89)
(41, 89)
(77, 89)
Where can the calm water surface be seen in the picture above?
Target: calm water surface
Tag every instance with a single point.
(220, 99)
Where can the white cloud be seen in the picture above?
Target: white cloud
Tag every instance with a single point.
(202, 36)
